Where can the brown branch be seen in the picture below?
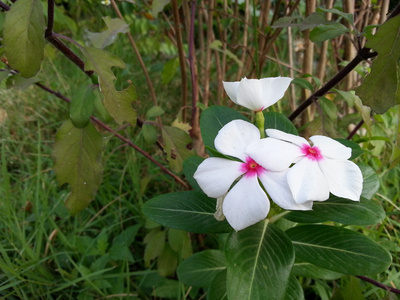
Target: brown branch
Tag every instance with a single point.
(4, 6)
(380, 285)
(121, 137)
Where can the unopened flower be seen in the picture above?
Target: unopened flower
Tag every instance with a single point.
(257, 94)
(246, 202)
(106, 2)
(319, 168)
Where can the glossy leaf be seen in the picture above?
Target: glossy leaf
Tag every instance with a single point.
(356, 150)
(191, 211)
(371, 182)
(177, 145)
(77, 153)
(117, 103)
(306, 269)
(259, 260)
(190, 166)
(327, 31)
(23, 36)
(201, 268)
(294, 291)
(107, 37)
(213, 119)
(217, 289)
(274, 120)
(339, 249)
(340, 210)
(384, 70)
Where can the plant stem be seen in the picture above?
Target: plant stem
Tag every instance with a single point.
(380, 285)
(4, 6)
(354, 131)
(121, 137)
(260, 120)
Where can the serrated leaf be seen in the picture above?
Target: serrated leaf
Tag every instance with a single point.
(380, 88)
(365, 212)
(117, 103)
(327, 31)
(177, 147)
(259, 259)
(23, 35)
(107, 37)
(77, 153)
(191, 211)
(201, 268)
(339, 249)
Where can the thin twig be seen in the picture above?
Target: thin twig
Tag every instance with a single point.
(4, 6)
(380, 285)
(354, 131)
(121, 137)
(50, 18)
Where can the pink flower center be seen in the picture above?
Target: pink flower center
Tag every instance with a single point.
(251, 168)
(312, 153)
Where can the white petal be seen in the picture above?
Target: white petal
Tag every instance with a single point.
(273, 89)
(344, 178)
(307, 182)
(250, 94)
(246, 203)
(273, 154)
(234, 138)
(215, 175)
(331, 148)
(231, 89)
(278, 189)
(280, 135)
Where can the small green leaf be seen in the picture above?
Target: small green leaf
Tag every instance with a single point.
(167, 261)
(107, 37)
(371, 182)
(348, 16)
(154, 111)
(177, 147)
(82, 105)
(201, 268)
(217, 45)
(213, 119)
(178, 240)
(259, 259)
(339, 249)
(158, 6)
(217, 288)
(325, 32)
(169, 70)
(155, 242)
(274, 120)
(380, 89)
(150, 133)
(365, 212)
(77, 153)
(306, 269)
(329, 108)
(23, 35)
(117, 103)
(191, 211)
(301, 82)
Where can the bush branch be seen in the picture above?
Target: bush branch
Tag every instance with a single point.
(380, 285)
(4, 6)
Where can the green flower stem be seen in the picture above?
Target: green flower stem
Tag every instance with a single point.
(275, 218)
(260, 123)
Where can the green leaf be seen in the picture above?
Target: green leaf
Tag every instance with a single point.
(179, 241)
(305, 269)
(201, 268)
(154, 111)
(329, 108)
(23, 36)
(217, 288)
(190, 166)
(213, 119)
(155, 242)
(275, 120)
(294, 291)
(356, 150)
(167, 289)
(380, 89)
(158, 6)
(117, 103)
(150, 133)
(77, 153)
(82, 105)
(217, 45)
(107, 37)
(259, 260)
(339, 249)
(301, 82)
(169, 70)
(348, 16)
(325, 32)
(371, 182)
(348, 96)
(176, 147)
(167, 261)
(365, 212)
(191, 211)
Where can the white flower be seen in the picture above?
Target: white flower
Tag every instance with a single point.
(106, 2)
(257, 94)
(246, 202)
(318, 170)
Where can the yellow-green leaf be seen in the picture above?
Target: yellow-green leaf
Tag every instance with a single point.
(117, 103)
(108, 36)
(77, 153)
(24, 36)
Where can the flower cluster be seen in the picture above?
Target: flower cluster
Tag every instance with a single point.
(283, 166)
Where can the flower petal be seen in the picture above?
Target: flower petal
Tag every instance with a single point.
(344, 178)
(273, 89)
(273, 154)
(307, 182)
(331, 148)
(280, 135)
(246, 203)
(249, 94)
(215, 175)
(231, 89)
(234, 138)
(277, 187)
